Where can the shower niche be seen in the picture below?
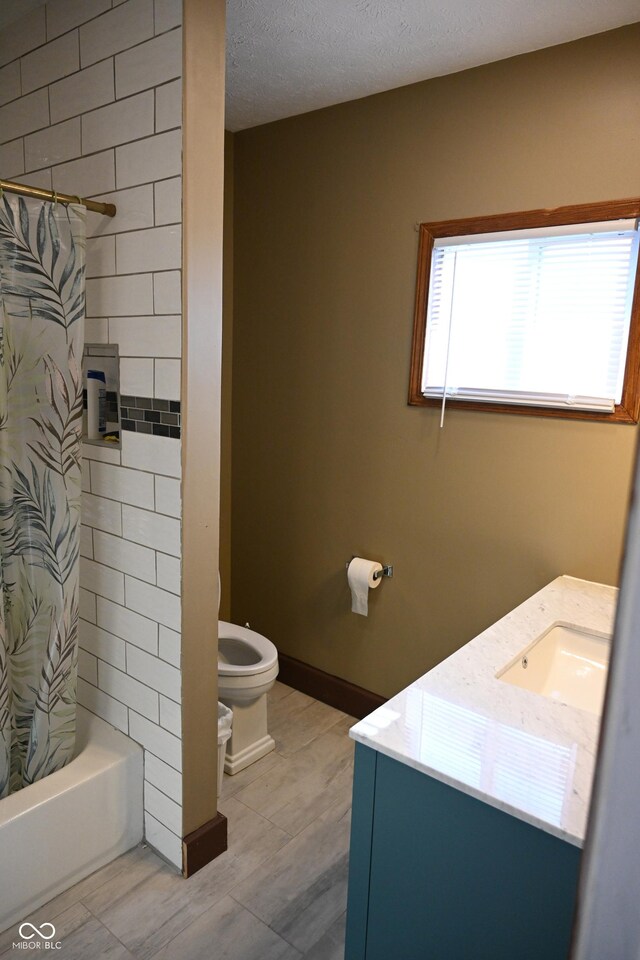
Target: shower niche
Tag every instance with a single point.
(103, 358)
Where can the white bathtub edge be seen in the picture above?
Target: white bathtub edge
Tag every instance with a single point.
(61, 829)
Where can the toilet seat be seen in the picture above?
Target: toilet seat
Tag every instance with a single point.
(261, 650)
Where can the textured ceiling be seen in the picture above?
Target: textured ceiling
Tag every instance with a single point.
(289, 56)
(286, 57)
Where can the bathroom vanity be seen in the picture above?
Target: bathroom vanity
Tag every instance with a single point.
(472, 787)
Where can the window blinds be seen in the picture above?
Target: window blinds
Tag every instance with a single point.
(537, 317)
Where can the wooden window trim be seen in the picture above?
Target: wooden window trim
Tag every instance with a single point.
(628, 411)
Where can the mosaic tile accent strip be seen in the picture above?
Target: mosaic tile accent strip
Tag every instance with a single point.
(161, 418)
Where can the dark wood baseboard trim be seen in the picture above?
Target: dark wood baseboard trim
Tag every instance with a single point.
(334, 691)
(204, 845)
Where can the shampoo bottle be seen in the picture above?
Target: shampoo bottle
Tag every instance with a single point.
(96, 404)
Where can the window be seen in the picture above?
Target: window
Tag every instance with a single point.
(532, 312)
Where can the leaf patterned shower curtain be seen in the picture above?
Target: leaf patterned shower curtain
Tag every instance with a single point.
(41, 341)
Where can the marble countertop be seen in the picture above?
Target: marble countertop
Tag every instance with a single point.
(523, 753)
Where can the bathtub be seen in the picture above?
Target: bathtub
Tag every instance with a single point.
(64, 827)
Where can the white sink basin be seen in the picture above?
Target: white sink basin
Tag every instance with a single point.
(565, 663)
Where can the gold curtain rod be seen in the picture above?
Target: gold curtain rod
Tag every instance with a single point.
(108, 209)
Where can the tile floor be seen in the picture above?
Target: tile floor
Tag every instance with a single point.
(278, 893)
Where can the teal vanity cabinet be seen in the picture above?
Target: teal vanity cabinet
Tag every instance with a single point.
(436, 874)
(471, 798)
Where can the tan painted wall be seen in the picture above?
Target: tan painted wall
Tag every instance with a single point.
(202, 204)
(328, 459)
(227, 378)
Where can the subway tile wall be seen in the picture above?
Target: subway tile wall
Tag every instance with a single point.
(90, 104)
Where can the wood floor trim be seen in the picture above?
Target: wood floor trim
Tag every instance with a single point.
(334, 691)
(204, 845)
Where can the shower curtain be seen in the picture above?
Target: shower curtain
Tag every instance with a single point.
(41, 342)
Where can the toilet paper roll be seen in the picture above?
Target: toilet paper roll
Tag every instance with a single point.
(360, 577)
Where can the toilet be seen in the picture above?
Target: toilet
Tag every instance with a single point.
(247, 670)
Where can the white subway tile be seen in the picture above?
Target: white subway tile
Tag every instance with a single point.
(31, 113)
(88, 668)
(136, 377)
(22, 35)
(169, 106)
(102, 513)
(124, 688)
(83, 91)
(151, 529)
(102, 705)
(168, 201)
(38, 178)
(12, 159)
(168, 496)
(128, 486)
(152, 602)
(119, 296)
(166, 811)
(87, 176)
(102, 644)
(86, 476)
(167, 292)
(124, 555)
(52, 145)
(170, 716)
(118, 123)
(116, 30)
(156, 673)
(87, 605)
(162, 776)
(54, 60)
(149, 64)
(167, 379)
(169, 645)
(166, 843)
(86, 542)
(168, 14)
(160, 742)
(154, 158)
(102, 451)
(168, 573)
(10, 82)
(102, 580)
(96, 330)
(135, 211)
(64, 15)
(146, 336)
(148, 250)
(130, 626)
(101, 256)
(157, 454)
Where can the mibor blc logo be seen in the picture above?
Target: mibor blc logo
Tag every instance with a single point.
(36, 938)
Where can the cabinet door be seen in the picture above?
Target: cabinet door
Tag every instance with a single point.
(364, 784)
(455, 879)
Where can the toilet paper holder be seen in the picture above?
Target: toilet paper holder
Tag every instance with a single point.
(387, 569)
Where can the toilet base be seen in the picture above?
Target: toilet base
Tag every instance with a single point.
(249, 740)
(236, 762)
